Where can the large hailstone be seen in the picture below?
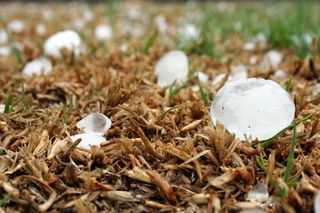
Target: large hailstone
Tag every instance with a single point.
(103, 32)
(94, 126)
(36, 67)
(255, 108)
(171, 67)
(67, 39)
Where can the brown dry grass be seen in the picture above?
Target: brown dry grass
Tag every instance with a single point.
(179, 163)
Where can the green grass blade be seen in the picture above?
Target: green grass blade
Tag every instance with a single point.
(291, 154)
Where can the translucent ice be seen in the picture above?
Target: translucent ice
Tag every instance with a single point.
(255, 108)
(36, 67)
(67, 39)
(172, 66)
(258, 193)
(87, 140)
(95, 123)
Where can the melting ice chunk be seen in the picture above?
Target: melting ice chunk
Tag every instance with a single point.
(36, 67)
(258, 193)
(103, 32)
(88, 140)
(255, 108)
(172, 66)
(95, 124)
(67, 39)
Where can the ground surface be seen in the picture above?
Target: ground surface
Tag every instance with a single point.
(162, 152)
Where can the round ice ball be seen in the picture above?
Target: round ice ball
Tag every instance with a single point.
(253, 108)
(95, 123)
(67, 39)
(172, 66)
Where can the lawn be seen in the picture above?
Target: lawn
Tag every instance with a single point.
(152, 143)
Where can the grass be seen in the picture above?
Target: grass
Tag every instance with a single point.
(291, 154)
(5, 200)
(8, 104)
(204, 95)
(261, 162)
(150, 41)
(174, 90)
(164, 114)
(268, 142)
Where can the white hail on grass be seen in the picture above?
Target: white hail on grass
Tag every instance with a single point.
(280, 74)
(3, 37)
(67, 39)
(173, 66)
(40, 29)
(259, 193)
(272, 59)
(94, 126)
(189, 31)
(255, 108)
(16, 26)
(2, 107)
(103, 32)
(37, 66)
(238, 72)
(316, 90)
(4, 51)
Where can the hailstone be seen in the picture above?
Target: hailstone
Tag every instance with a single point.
(67, 39)
(103, 32)
(88, 140)
(258, 193)
(36, 67)
(253, 108)
(94, 126)
(2, 107)
(317, 203)
(16, 26)
(173, 66)
(95, 123)
(3, 37)
(273, 58)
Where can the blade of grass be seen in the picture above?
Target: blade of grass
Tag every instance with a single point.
(260, 161)
(268, 142)
(8, 104)
(288, 84)
(150, 41)
(291, 154)
(204, 95)
(174, 90)
(5, 199)
(164, 114)
(17, 53)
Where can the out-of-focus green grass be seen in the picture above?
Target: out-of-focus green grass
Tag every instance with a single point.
(289, 25)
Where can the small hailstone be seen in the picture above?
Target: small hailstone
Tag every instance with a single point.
(253, 60)
(3, 37)
(189, 31)
(95, 123)
(261, 37)
(87, 140)
(317, 203)
(103, 32)
(78, 24)
(274, 58)
(218, 78)
(67, 39)
(258, 193)
(16, 26)
(48, 14)
(238, 26)
(36, 67)
(257, 108)
(88, 14)
(40, 29)
(280, 74)
(203, 77)
(4, 51)
(172, 66)
(161, 23)
(249, 46)
(2, 107)
(123, 47)
(316, 90)
(238, 72)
